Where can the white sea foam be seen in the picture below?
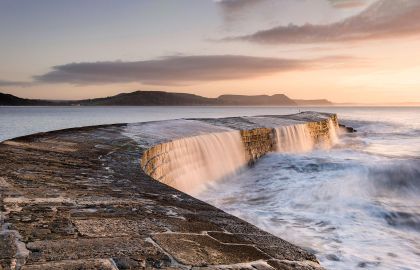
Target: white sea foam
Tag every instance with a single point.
(355, 205)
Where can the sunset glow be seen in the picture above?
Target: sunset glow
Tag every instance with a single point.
(348, 51)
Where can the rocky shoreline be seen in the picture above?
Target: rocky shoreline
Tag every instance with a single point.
(78, 199)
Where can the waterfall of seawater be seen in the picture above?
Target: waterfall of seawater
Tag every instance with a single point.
(189, 164)
(294, 139)
(332, 132)
(298, 138)
(192, 162)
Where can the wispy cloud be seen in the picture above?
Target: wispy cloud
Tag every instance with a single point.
(383, 19)
(179, 69)
(4, 83)
(233, 10)
(348, 3)
(237, 5)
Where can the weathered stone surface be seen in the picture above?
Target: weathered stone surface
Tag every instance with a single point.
(257, 142)
(279, 249)
(103, 264)
(229, 238)
(77, 199)
(292, 265)
(75, 249)
(7, 250)
(202, 250)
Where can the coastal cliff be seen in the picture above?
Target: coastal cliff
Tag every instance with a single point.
(77, 198)
(162, 98)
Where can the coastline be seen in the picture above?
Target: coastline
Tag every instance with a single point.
(78, 197)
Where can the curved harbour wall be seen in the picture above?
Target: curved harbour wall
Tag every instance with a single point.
(188, 163)
(76, 198)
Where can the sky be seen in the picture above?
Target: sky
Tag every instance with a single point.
(347, 51)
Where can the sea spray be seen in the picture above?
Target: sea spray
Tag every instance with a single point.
(191, 163)
(332, 132)
(356, 205)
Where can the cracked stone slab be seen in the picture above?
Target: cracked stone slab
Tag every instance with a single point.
(292, 265)
(202, 250)
(113, 227)
(92, 264)
(72, 249)
(280, 249)
(229, 238)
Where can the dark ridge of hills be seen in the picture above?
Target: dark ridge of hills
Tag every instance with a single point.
(161, 98)
(241, 100)
(156, 98)
(314, 102)
(11, 100)
(150, 98)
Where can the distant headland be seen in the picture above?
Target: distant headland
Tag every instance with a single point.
(161, 98)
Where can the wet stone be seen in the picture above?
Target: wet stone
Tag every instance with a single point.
(71, 249)
(229, 238)
(94, 264)
(7, 247)
(202, 250)
(288, 265)
(123, 263)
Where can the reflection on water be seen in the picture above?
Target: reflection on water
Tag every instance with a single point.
(356, 205)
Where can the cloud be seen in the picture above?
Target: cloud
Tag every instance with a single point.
(347, 3)
(178, 69)
(383, 19)
(238, 5)
(15, 83)
(233, 10)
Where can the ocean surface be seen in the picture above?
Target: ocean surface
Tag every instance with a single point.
(355, 205)
(19, 121)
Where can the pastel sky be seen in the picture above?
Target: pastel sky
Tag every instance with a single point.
(343, 50)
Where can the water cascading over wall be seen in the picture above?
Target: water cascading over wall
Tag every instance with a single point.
(305, 137)
(294, 139)
(188, 164)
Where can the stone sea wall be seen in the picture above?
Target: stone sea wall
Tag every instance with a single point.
(77, 198)
(256, 142)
